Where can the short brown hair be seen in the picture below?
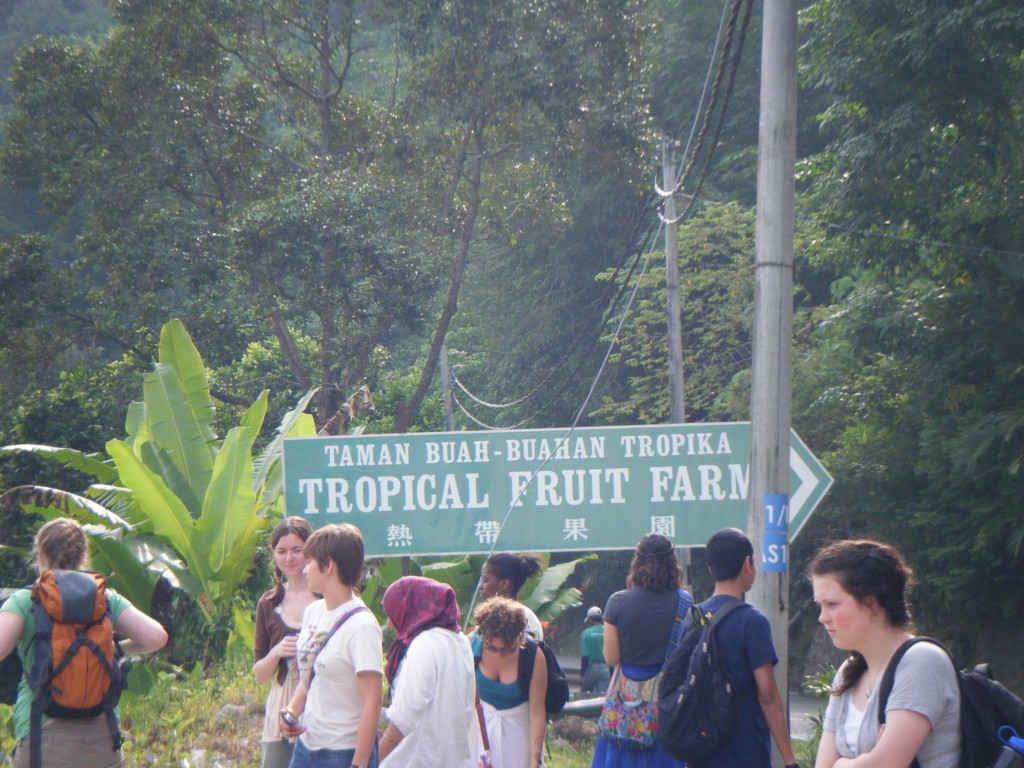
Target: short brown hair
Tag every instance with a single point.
(62, 542)
(342, 543)
(503, 619)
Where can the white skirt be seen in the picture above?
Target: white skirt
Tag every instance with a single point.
(508, 731)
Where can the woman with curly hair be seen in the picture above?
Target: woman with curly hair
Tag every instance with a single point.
(512, 680)
(638, 624)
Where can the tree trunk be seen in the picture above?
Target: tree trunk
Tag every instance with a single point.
(451, 303)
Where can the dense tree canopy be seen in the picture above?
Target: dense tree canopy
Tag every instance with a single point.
(326, 192)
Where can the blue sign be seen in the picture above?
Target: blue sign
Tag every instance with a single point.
(775, 544)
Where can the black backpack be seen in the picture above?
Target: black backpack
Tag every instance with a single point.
(985, 706)
(558, 687)
(697, 707)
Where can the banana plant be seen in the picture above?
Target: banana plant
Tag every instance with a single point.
(545, 593)
(171, 498)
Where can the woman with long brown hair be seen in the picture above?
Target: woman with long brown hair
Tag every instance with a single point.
(638, 625)
(861, 588)
(278, 620)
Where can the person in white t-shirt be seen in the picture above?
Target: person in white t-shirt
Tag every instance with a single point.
(335, 711)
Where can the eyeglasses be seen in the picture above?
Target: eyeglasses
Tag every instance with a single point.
(503, 651)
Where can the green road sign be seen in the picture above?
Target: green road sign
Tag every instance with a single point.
(527, 490)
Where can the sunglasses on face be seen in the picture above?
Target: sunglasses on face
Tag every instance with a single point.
(502, 651)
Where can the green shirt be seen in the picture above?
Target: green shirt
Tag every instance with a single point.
(592, 644)
(20, 603)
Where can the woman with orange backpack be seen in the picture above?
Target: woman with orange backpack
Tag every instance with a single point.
(62, 556)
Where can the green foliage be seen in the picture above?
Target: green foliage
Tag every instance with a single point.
(6, 732)
(913, 376)
(180, 493)
(819, 686)
(545, 593)
(716, 303)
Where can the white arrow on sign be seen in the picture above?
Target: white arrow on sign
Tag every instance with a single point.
(808, 482)
(814, 482)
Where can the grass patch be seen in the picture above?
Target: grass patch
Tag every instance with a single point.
(198, 719)
(201, 719)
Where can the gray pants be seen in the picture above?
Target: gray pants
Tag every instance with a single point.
(596, 679)
(73, 743)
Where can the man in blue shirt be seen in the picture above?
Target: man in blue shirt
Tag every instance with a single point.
(748, 654)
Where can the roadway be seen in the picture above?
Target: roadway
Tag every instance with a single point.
(801, 707)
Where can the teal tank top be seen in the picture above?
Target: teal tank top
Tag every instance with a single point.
(499, 695)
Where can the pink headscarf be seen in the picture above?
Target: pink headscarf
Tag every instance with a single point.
(415, 604)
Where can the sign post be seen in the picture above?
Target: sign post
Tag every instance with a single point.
(592, 488)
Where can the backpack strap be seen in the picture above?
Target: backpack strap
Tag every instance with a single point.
(682, 613)
(719, 615)
(327, 639)
(527, 658)
(889, 676)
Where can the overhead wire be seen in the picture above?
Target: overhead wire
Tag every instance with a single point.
(644, 258)
(500, 406)
(728, 66)
(704, 89)
(623, 285)
(572, 428)
(912, 240)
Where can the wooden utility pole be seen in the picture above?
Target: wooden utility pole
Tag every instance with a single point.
(675, 330)
(771, 387)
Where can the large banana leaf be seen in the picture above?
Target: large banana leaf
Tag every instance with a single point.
(92, 464)
(160, 463)
(175, 427)
(230, 500)
(273, 487)
(163, 561)
(125, 573)
(120, 502)
(254, 415)
(549, 599)
(272, 453)
(52, 502)
(178, 351)
(239, 560)
(135, 424)
(458, 574)
(170, 518)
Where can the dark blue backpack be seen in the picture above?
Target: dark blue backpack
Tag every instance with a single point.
(985, 706)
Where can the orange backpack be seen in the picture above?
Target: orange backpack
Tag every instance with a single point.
(74, 673)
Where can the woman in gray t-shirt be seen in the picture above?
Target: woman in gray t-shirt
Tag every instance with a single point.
(861, 588)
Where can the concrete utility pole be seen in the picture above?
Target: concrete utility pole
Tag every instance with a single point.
(771, 389)
(677, 414)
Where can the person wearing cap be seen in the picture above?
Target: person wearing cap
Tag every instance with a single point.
(594, 674)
